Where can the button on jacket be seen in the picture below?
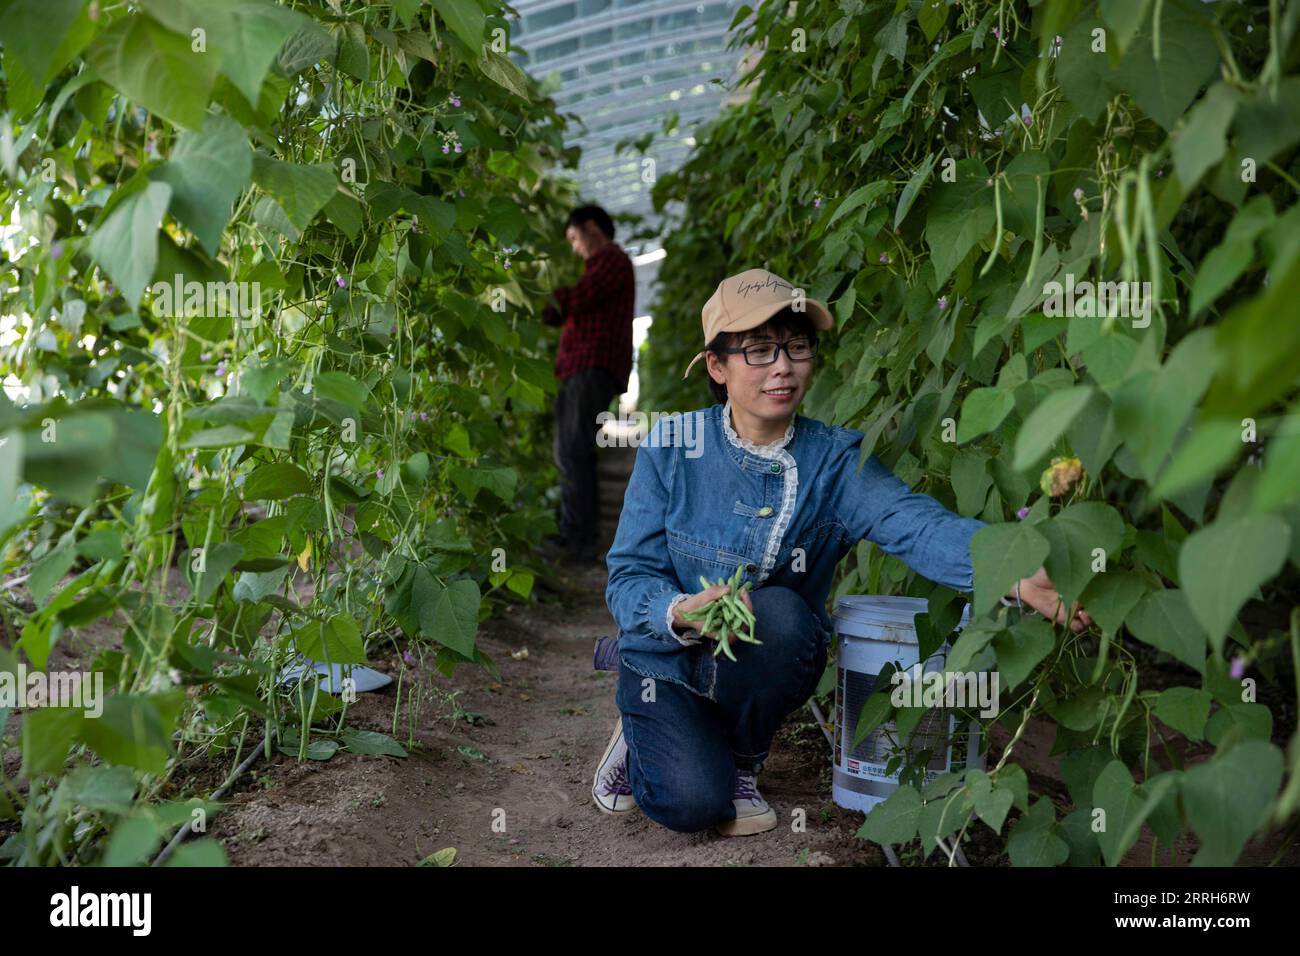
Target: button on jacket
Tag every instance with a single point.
(702, 500)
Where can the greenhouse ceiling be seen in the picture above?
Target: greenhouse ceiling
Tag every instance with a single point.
(622, 66)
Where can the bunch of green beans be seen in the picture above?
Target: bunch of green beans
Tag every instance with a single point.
(729, 612)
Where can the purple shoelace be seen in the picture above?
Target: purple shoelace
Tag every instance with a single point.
(616, 781)
(746, 787)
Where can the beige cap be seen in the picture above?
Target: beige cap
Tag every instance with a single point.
(747, 300)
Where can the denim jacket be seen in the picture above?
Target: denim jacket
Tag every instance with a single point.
(702, 500)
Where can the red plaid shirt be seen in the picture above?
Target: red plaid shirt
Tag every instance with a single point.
(597, 317)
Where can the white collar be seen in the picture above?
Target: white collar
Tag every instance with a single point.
(772, 450)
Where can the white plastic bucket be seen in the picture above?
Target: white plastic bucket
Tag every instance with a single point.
(872, 631)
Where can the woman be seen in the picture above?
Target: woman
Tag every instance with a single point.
(748, 482)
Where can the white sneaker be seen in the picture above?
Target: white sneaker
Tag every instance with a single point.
(610, 789)
(753, 815)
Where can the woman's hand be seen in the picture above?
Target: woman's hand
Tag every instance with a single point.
(1040, 593)
(700, 599)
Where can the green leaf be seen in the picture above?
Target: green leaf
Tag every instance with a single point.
(1115, 793)
(277, 480)
(992, 807)
(983, 410)
(960, 215)
(134, 730)
(915, 184)
(126, 242)
(451, 617)
(931, 17)
(111, 789)
(343, 388)
(1020, 191)
(1002, 554)
(894, 820)
(223, 436)
(1020, 649)
(1164, 88)
(207, 171)
(49, 570)
(1033, 842)
(503, 71)
(245, 35)
(1109, 598)
(156, 68)
(1277, 486)
(863, 196)
(971, 480)
(308, 46)
(1124, 18)
(336, 641)
(299, 190)
(1186, 709)
(47, 733)
(1222, 565)
(43, 35)
(465, 19)
(1163, 619)
(1250, 721)
(1200, 141)
(204, 852)
(1227, 799)
(1074, 535)
(1086, 76)
(133, 841)
(219, 561)
(1229, 259)
(370, 743)
(1047, 422)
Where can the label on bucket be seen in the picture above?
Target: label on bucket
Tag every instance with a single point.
(871, 756)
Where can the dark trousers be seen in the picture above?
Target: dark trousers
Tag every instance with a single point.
(684, 749)
(583, 395)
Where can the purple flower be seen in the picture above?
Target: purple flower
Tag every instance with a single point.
(446, 148)
(412, 416)
(220, 370)
(340, 281)
(424, 416)
(1023, 513)
(1238, 668)
(943, 302)
(884, 258)
(507, 263)
(379, 473)
(462, 192)
(817, 203)
(1027, 119)
(458, 147)
(56, 249)
(406, 656)
(455, 100)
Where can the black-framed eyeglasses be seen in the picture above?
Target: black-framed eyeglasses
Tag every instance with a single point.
(799, 349)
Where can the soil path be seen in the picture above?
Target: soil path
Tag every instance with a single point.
(501, 771)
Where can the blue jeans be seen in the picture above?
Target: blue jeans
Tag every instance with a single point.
(683, 749)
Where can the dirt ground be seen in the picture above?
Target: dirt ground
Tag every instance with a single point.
(524, 756)
(500, 770)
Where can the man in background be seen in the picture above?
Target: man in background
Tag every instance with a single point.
(593, 364)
